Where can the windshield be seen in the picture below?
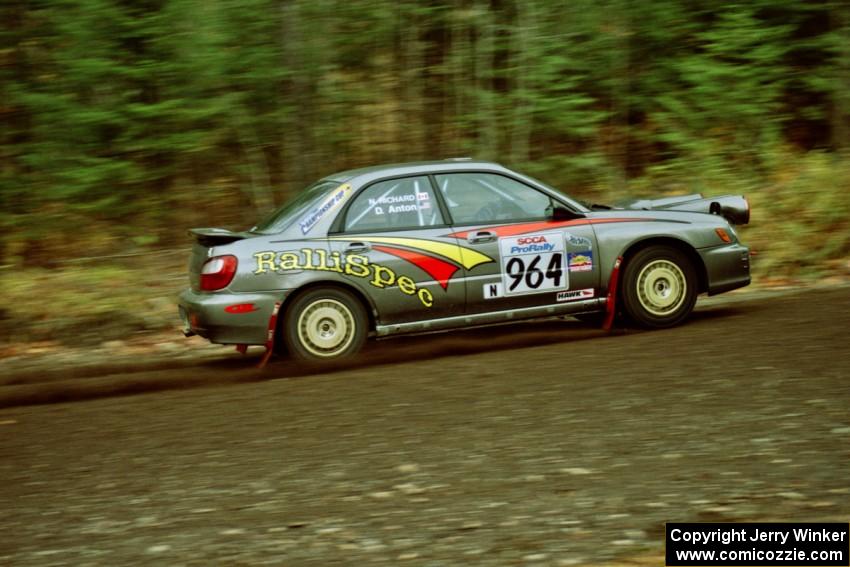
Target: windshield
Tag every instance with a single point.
(582, 206)
(296, 208)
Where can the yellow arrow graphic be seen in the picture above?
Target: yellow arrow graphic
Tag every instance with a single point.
(465, 257)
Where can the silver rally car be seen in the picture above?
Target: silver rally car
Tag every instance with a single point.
(438, 245)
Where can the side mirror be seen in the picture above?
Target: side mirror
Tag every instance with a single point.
(558, 212)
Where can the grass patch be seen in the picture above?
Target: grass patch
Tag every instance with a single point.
(84, 304)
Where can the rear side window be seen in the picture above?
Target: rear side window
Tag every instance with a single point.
(396, 204)
(475, 198)
(308, 200)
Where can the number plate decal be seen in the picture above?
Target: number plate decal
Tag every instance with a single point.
(533, 263)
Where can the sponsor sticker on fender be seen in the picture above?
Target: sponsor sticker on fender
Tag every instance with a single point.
(580, 242)
(575, 295)
(581, 261)
(533, 263)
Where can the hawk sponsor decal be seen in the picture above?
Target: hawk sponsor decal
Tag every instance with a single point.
(575, 295)
(334, 200)
(440, 260)
(355, 265)
(580, 261)
(533, 263)
(579, 241)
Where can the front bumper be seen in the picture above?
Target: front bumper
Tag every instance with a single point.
(727, 267)
(228, 318)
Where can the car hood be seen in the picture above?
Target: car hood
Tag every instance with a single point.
(734, 208)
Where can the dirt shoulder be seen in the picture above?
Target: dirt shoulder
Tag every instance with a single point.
(514, 451)
(34, 373)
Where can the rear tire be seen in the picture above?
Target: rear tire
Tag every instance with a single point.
(659, 287)
(324, 325)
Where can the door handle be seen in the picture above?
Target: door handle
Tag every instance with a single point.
(357, 247)
(481, 236)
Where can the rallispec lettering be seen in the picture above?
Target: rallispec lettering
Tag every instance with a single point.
(530, 244)
(350, 265)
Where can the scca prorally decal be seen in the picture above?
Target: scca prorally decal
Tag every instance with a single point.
(440, 260)
(350, 265)
(333, 201)
(533, 263)
(531, 244)
(575, 294)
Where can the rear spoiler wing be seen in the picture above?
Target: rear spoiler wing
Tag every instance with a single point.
(216, 236)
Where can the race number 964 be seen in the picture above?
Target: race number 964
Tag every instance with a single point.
(531, 276)
(533, 263)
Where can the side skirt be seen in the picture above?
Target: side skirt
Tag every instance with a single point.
(495, 318)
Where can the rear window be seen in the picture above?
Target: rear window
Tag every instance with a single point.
(306, 208)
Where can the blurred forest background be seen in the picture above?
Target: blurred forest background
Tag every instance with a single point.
(123, 122)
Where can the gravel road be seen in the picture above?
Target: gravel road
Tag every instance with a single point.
(546, 444)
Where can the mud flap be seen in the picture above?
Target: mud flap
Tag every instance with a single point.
(611, 305)
(270, 336)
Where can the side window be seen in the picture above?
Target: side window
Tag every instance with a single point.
(475, 198)
(394, 205)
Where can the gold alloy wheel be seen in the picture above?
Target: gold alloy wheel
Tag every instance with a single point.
(326, 328)
(661, 287)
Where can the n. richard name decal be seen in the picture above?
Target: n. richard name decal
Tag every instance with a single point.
(350, 265)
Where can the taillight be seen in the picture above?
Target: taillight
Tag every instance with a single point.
(218, 272)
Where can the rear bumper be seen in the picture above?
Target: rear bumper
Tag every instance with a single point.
(215, 316)
(727, 267)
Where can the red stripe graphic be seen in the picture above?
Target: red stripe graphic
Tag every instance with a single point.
(524, 228)
(438, 269)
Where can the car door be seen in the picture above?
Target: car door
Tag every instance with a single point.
(398, 250)
(536, 261)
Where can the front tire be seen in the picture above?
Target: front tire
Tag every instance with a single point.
(659, 287)
(324, 325)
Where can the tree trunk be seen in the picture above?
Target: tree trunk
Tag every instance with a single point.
(840, 16)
